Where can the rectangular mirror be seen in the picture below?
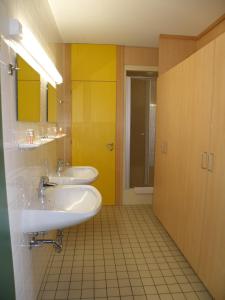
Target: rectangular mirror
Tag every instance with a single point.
(28, 92)
(52, 104)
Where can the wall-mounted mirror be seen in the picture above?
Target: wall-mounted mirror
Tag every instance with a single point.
(52, 104)
(28, 92)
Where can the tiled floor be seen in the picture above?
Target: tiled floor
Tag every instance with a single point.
(123, 253)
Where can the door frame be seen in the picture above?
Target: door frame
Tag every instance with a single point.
(126, 132)
(7, 285)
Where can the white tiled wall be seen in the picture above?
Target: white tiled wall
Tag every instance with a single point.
(23, 170)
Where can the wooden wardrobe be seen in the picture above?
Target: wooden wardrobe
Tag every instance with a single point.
(189, 195)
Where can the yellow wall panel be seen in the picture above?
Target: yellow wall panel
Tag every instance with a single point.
(93, 62)
(29, 101)
(93, 127)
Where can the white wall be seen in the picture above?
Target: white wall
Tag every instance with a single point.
(24, 168)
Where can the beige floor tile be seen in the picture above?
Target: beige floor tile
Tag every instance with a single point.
(186, 287)
(100, 284)
(74, 294)
(124, 282)
(112, 283)
(54, 277)
(153, 297)
(181, 279)
(150, 290)
(111, 275)
(126, 297)
(174, 288)
(140, 297)
(133, 274)
(138, 290)
(51, 286)
(191, 296)
(113, 292)
(147, 281)
(48, 295)
(136, 282)
(166, 297)
(100, 293)
(162, 289)
(63, 285)
(100, 276)
(156, 273)
(75, 285)
(88, 284)
(62, 295)
(87, 293)
(158, 280)
(125, 291)
(64, 277)
(178, 296)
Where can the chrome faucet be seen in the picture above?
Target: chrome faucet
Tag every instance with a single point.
(43, 184)
(60, 166)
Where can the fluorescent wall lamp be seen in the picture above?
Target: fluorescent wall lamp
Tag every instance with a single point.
(23, 42)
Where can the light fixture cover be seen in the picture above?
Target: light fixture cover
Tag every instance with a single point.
(23, 42)
(15, 28)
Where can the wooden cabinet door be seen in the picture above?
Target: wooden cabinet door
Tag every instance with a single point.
(168, 150)
(212, 258)
(197, 96)
(160, 183)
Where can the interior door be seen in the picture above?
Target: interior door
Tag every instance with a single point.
(140, 95)
(93, 131)
(212, 258)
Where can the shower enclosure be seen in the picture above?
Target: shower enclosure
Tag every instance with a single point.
(140, 128)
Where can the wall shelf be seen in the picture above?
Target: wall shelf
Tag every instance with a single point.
(39, 142)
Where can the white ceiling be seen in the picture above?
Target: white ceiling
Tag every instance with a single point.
(132, 22)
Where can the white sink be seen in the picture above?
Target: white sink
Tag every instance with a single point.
(65, 206)
(75, 175)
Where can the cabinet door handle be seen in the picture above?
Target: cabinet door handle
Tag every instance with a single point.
(204, 162)
(164, 147)
(211, 162)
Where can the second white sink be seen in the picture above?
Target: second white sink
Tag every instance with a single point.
(75, 175)
(64, 206)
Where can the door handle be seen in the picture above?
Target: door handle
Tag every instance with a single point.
(110, 146)
(164, 147)
(205, 160)
(211, 162)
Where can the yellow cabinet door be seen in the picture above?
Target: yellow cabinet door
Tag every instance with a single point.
(93, 62)
(93, 132)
